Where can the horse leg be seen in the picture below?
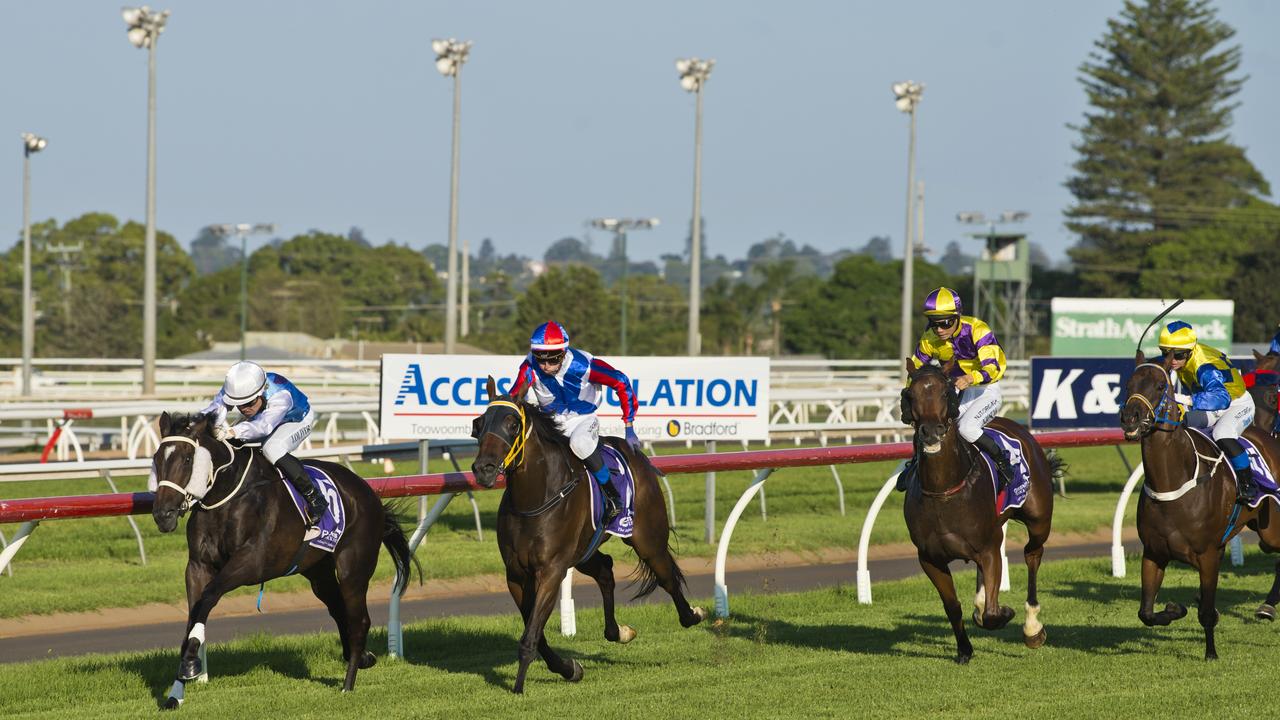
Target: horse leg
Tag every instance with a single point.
(600, 567)
(994, 615)
(1208, 612)
(979, 595)
(940, 575)
(240, 570)
(324, 583)
(355, 565)
(657, 558)
(198, 577)
(546, 591)
(1152, 576)
(1268, 609)
(1033, 634)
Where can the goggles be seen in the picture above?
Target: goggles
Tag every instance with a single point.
(943, 322)
(1178, 353)
(548, 357)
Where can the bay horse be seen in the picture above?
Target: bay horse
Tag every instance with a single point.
(1185, 512)
(951, 509)
(1263, 387)
(244, 530)
(545, 526)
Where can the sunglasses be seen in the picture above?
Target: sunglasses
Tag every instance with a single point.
(247, 405)
(942, 322)
(1179, 354)
(548, 358)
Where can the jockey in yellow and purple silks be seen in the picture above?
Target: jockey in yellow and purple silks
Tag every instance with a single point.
(1212, 392)
(980, 363)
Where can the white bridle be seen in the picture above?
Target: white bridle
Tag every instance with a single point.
(203, 474)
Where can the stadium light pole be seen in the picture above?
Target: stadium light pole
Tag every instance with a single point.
(243, 230)
(30, 144)
(145, 27)
(907, 96)
(693, 76)
(619, 228)
(450, 55)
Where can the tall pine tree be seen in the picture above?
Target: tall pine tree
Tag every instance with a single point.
(1155, 158)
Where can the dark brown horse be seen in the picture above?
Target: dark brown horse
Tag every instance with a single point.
(951, 508)
(1264, 389)
(544, 526)
(245, 530)
(1185, 510)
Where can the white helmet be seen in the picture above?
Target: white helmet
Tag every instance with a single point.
(245, 382)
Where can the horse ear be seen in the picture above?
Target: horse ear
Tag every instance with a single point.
(1258, 357)
(492, 388)
(1139, 358)
(911, 367)
(164, 423)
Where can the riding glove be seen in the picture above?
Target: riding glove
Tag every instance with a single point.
(633, 440)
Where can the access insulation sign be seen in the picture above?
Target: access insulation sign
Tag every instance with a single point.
(435, 397)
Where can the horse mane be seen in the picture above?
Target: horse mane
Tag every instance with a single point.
(544, 425)
(180, 423)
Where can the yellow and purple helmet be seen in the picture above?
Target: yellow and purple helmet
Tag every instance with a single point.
(1178, 335)
(943, 302)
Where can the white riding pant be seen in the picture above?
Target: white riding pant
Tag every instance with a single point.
(978, 405)
(583, 432)
(286, 438)
(1231, 421)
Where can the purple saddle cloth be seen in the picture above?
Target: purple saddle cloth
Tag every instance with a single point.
(1262, 477)
(326, 534)
(622, 479)
(1015, 494)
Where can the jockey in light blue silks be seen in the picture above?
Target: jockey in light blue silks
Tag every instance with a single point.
(1212, 393)
(276, 413)
(568, 384)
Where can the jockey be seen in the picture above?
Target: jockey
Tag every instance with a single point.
(980, 363)
(1215, 396)
(275, 412)
(567, 384)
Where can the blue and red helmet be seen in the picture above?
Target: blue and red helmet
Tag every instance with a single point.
(549, 336)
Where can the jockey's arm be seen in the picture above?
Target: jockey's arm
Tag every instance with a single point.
(602, 373)
(218, 408)
(990, 355)
(265, 422)
(1213, 394)
(523, 380)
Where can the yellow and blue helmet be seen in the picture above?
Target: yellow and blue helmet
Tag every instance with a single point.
(943, 302)
(1178, 335)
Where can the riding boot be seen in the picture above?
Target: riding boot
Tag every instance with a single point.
(1245, 488)
(1004, 471)
(612, 500)
(301, 481)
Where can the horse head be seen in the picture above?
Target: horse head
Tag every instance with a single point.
(184, 465)
(931, 403)
(500, 432)
(1264, 387)
(1149, 403)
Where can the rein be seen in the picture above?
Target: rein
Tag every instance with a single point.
(1160, 412)
(516, 453)
(187, 497)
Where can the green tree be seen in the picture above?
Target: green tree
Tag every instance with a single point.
(1154, 156)
(573, 295)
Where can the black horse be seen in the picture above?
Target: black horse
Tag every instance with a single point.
(544, 526)
(244, 530)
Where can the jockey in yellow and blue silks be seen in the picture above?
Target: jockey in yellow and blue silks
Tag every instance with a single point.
(568, 384)
(1212, 394)
(980, 363)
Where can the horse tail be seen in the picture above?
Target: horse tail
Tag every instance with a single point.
(1057, 467)
(397, 545)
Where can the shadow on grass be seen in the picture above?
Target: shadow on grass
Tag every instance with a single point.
(489, 655)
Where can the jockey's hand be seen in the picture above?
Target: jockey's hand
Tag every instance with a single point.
(223, 432)
(963, 382)
(633, 440)
(1183, 400)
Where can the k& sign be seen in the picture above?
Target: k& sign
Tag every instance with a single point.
(435, 397)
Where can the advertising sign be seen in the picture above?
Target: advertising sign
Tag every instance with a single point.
(1077, 392)
(1110, 327)
(435, 397)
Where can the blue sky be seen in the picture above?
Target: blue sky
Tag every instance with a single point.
(328, 115)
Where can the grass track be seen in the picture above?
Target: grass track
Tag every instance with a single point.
(815, 654)
(78, 565)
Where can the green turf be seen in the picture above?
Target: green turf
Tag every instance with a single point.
(75, 565)
(814, 654)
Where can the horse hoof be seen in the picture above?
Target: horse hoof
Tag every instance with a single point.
(963, 659)
(1266, 612)
(1211, 656)
(1035, 641)
(626, 634)
(367, 660)
(576, 670)
(1176, 610)
(698, 615)
(171, 703)
(189, 670)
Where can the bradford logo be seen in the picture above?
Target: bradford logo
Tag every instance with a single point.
(673, 428)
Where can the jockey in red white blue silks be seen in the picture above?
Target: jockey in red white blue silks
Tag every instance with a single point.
(568, 384)
(275, 412)
(1212, 393)
(979, 365)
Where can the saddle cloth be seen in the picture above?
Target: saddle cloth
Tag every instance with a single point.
(326, 534)
(1015, 494)
(624, 481)
(1262, 476)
